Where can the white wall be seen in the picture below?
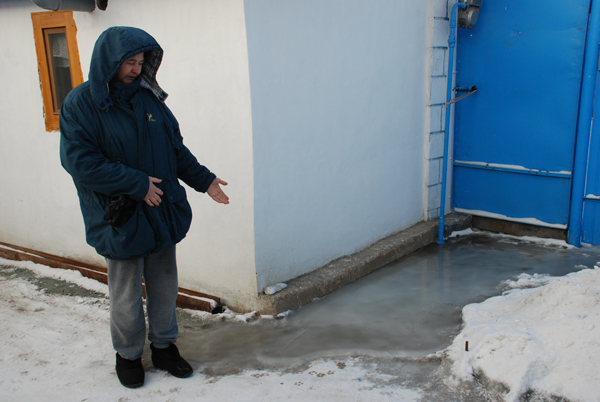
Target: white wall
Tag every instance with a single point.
(314, 111)
(205, 71)
(338, 111)
(39, 209)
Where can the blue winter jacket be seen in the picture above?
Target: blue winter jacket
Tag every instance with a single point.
(113, 136)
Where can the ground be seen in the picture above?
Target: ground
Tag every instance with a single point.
(396, 335)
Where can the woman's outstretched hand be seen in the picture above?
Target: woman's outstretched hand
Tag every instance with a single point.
(216, 193)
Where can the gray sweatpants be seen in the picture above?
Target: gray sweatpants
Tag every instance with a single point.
(127, 323)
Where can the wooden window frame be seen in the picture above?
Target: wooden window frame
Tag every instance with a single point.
(53, 20)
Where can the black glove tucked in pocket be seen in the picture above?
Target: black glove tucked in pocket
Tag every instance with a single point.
(119, 210)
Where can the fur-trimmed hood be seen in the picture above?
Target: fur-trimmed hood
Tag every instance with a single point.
(112, 49)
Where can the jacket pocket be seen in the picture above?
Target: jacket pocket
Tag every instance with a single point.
(179, 210)
(172, 137)
(174, 145)
(134, 239)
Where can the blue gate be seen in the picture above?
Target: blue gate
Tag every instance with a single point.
(591, 207)
(514, 138)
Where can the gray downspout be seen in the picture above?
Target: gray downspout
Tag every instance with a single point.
(71, 5)
(451, 45)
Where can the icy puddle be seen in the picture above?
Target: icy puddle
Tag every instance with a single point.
(378, 339)
(406, 310)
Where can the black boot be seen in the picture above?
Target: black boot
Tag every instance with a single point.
(170, 360)
(130, 372)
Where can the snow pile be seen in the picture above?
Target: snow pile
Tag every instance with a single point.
(278, 287)
(512, 239)
(542, 341)
(530, 239)
(458, 233)
(528, 281)
(229, 314)
(212, 303)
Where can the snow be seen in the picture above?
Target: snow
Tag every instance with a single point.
(278, 287)
(458, 233)
(529, 221)
(213, 304)
(57, 348)
(528, 281)
(517, 239)
(543, 340)
(512, 167)
(71, 276)
(539, 340)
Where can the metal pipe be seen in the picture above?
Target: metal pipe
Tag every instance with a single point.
(584, 125)
(451, 46)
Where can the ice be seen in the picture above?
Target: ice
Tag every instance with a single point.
(409, 309)
(382, 336)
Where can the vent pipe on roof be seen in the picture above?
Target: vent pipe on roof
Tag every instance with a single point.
(71, 5)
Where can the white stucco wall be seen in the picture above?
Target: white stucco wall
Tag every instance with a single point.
(313, 111)
(338, 111)
(205, 71)
(39, 208)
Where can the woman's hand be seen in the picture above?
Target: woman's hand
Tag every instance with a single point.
(216, 193)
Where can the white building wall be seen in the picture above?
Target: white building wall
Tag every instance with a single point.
(205, 71)
(313, 111)
(338, 109)
(39, 209)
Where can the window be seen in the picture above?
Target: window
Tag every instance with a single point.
(58, 60)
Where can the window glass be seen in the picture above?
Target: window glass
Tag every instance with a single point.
(55, 37)
(59, 67)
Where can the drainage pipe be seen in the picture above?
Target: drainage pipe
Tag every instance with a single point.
(451, 46)
(584, 125)
(69, 5)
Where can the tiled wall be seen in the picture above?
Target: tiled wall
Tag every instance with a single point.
(439, 70)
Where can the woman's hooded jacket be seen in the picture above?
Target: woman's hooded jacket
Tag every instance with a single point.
(114, 136)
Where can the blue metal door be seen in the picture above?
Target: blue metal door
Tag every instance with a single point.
(590, 232)
(514, 138)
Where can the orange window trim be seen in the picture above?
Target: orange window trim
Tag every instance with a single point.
(46, 20)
